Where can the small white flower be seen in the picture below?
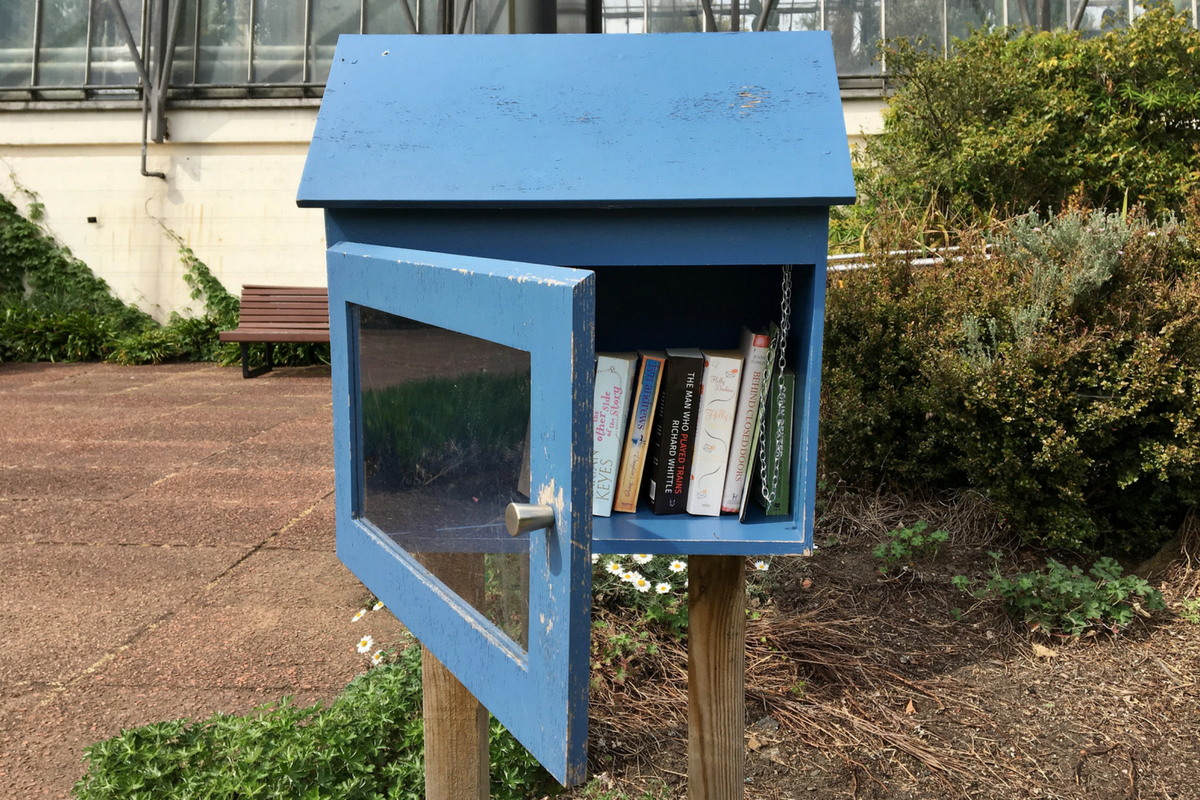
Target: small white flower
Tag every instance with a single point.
(630, 576)
(614, 568)
(642, 558)
(362, 612)
(677, 566)
(663, 587)
(641, 584)
(364, 644)
(378, 605)
(595, 558)
(377, 659)
(761, 566)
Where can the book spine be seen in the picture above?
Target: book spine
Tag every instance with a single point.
(675, 431)
(718, 403)
(609, 413)
(754, 351)
(633, 460)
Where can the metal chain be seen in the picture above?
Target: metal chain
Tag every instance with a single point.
(785, 324)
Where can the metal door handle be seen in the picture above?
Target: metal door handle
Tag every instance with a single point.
(525, 517)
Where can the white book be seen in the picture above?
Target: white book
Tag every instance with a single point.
(610, 411)
(754, 353)
(718, 403)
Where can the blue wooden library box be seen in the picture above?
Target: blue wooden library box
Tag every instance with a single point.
(498, 209)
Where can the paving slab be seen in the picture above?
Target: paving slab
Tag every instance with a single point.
(63, 607)
(249, 486)
(315, 531)
(23, 521)
(203, 423)
(173, 556)
(166, 457)
(75, 483)
(184, 522)
(280, 455)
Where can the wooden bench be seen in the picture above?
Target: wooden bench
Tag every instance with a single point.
(271, 314)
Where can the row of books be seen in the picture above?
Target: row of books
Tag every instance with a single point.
(680, 428)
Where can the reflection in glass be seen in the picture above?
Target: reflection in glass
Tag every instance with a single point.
(855, 28)
(224, 41)
(330, 19)
(918, 20)
(64, 41)
(16, 42)
(964, 16)
(674, 16)
(278, 41)
(386, 16)
(623, 16)
(445, 431)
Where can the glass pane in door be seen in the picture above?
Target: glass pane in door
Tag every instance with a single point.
(445, 449)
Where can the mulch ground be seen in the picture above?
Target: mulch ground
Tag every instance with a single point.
(863, 686)
(167, 541)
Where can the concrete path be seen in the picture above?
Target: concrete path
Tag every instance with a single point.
(166, 550)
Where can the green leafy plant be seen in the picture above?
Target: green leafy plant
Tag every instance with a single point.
(1064, 600)
(1189, 610)
(366, 744)
(1018, 119)
(1056, 372)
(906, 545)
(654, 586)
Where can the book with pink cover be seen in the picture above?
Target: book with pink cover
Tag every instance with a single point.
(610, 410)
(718, 404)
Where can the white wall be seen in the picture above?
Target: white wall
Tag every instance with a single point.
(230, 195)
(232, 175)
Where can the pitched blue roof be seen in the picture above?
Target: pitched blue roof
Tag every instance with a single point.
(585, 120)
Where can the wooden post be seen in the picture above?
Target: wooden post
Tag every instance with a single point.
(456, 724)
(456, 736)
(716, 676)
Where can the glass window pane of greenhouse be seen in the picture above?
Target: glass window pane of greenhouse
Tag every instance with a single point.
(623, 16)
(64, 42)
(916, 20)
(386, 16)
(855, 27)
(791, 15)
(112, 65)
(330, 19)
(672, 16)
(224, 41)
(185, 46)
(491, 16)
(16, 42)
(964, 16)
(278, 41)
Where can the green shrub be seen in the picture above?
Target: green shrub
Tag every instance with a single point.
(367, 744)
(1058, 373)
(1013, 120)
(1063, 600)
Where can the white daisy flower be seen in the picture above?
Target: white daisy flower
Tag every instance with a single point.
(378, 605)
(642, 558)
(761, 565)
(362, 612)
(629, 576)
(641, 584)
(663, 587)
(595, 558)
(614, 568)
(364, 644)
(377, 659)
(677, 566)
